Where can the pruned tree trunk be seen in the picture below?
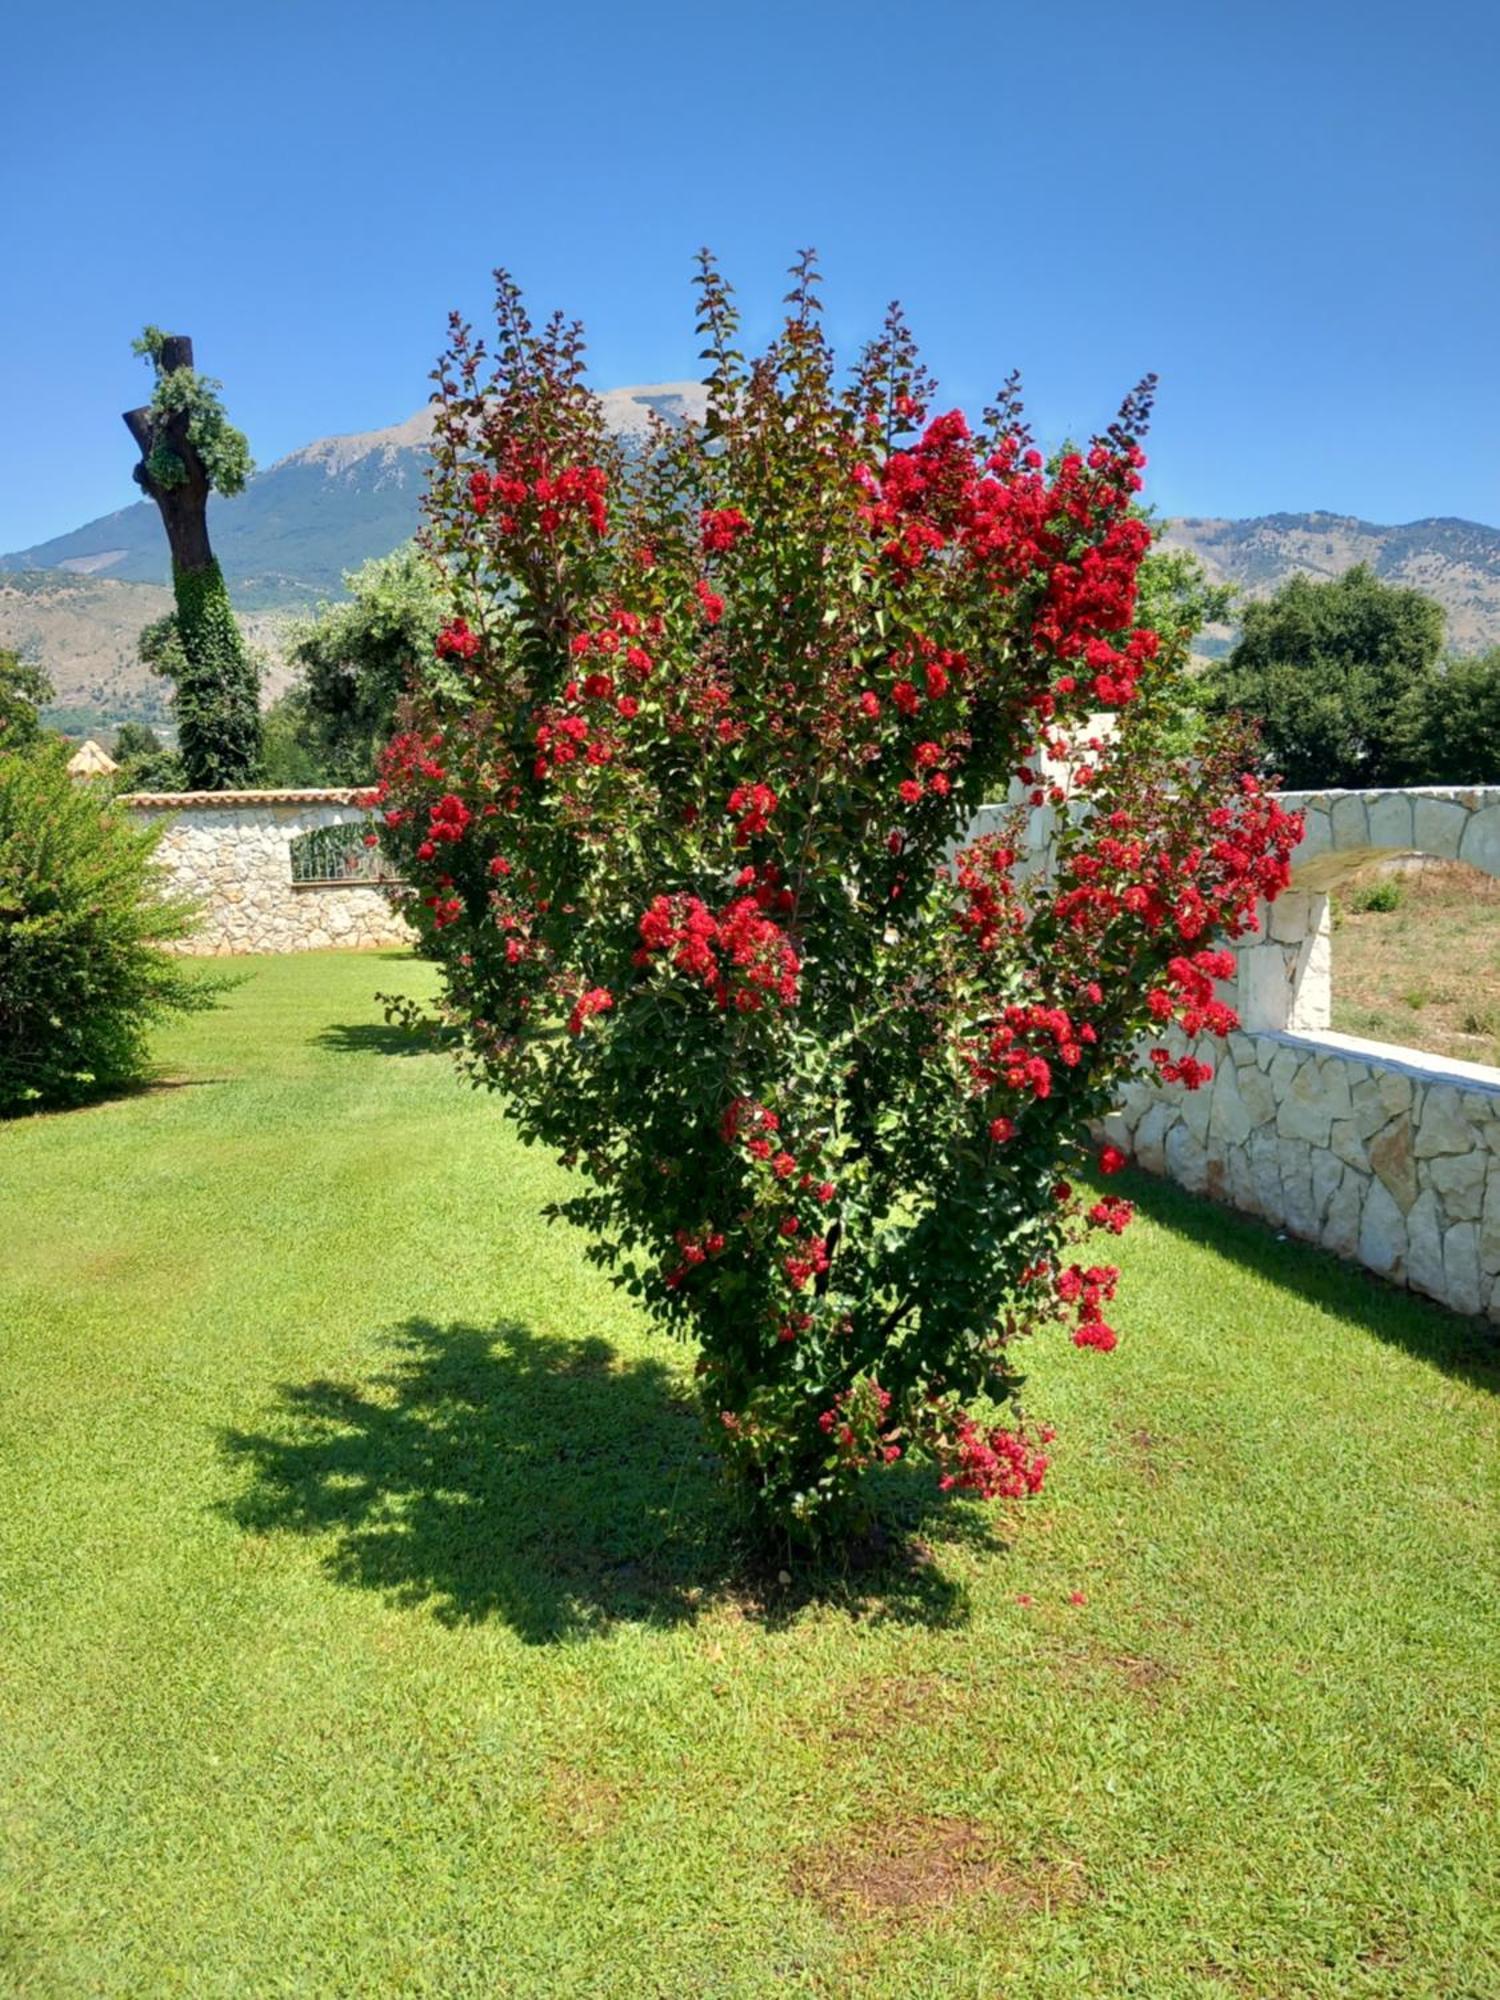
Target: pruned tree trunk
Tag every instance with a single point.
(183, 507)
(217, 691)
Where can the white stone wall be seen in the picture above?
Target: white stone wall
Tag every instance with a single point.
(1386, 1155)
(231, 853)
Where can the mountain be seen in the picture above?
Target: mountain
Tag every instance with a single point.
(1456, 562)
(83, 630)
(76, 603)
(288, 538)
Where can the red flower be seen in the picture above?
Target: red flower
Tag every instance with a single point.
(598, 1000)
(456, 641)
(721, 529)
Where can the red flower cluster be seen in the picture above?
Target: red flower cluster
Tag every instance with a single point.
(563, 740)
(752, 806)
(1088, 1292)
(1011, 1053)
(721, 529)
(740, 954)
(858, 1427)
(1112, 1214)
(456, 641)
(597, 1000)
(1188, 995)
(998, 1464)
(557, 495)
(696, 1247)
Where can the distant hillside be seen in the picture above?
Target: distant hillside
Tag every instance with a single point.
(75, 603)
(83, 630)
(289, 537)
(1456, 562)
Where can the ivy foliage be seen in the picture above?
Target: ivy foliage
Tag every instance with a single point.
(216, 681)
(223, 449)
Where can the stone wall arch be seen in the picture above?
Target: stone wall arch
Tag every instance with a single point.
(1285, 972)
(1386, 1155)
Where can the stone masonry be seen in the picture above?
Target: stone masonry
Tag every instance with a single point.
(1386, 1155)
(231, 853)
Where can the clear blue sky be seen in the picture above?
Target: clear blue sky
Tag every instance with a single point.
(1289, 209)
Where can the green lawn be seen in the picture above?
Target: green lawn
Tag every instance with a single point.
(369, 1622)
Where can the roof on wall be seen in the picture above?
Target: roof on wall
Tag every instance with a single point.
(331, 795)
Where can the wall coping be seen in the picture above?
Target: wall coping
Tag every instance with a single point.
(331, 795)
(1474, 797)
(1418, 1064)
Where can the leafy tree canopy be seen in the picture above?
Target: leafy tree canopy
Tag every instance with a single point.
(1454, 724)
(359, 659)
(24, 689)
(1334, 673)
(146, 763)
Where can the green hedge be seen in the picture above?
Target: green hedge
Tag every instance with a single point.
(83, 977)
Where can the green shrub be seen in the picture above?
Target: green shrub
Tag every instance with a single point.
(83, 977)
(1379, 899)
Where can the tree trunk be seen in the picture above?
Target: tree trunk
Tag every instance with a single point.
(184, 506)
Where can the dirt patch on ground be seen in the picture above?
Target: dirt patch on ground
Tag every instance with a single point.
(909, 1868)
(870, 1710)
(580, 1807)
(1426, 972)
(1142, 1673)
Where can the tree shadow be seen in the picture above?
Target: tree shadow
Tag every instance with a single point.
(1467, 1349)
(380, 1038)
(552, 1484)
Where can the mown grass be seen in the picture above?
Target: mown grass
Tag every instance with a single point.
(370, 1619)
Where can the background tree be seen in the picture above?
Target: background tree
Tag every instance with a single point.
(289, 755)
(1335, 673)
(190, 449)
(1454, 724)
(1176, 601)
(359, 659)
(146, 763)
(24, 689)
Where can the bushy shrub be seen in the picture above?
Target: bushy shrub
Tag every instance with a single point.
(688, 867)
(1377, 898)
(83, 978)
(146, 764)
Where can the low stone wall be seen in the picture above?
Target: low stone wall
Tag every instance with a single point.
(1387, 1155)
(231, 853)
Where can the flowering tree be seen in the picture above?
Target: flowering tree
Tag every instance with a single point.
(689, 864)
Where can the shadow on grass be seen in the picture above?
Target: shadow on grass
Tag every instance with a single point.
(1467, 1349)
(379, 1038)
(501, 1473)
